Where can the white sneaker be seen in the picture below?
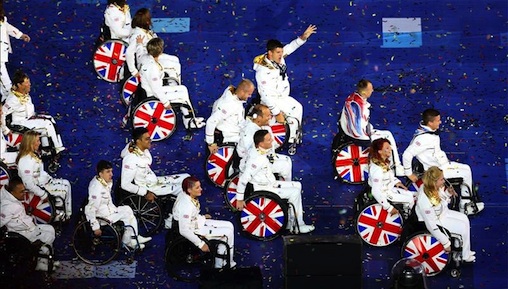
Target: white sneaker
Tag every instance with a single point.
(42, 266)
(59, 149)
(304, 229)
(469, 208)
(143, 240)
(470, 259)
(134, 245)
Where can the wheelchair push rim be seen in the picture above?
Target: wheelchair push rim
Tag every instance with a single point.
(151, 114)
(184, 260)
(377, 227)
(230, 191)
(95, 250)
(109, 58)
(427, 250)
(218, 165)
(148, 214)
(264, 217)
(351, 163)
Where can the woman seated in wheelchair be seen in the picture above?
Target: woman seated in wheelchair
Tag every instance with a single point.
(386, 187)
(36, 179)
(100, 204)
(20, 110)
(15, 219)
(191, 224)
(432, 208)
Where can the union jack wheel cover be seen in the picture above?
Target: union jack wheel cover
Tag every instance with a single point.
(160, 122)
(263, 216)
(377, 227)
(13, 139)
(42, 213)
(426, 249)
(109, 58)
(352, 163)
(4, 175)
(414, 187)
(218, 165)
(129, 87)
(280, 133)
(230, 191)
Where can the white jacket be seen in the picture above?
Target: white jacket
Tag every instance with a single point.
(100, 203)
(119, 22)
(20, 112)
(13, 214)
(7, 30)
(431, 215)
(189, 219)
(137, 176)
(228, 116)
(31, 171)
(382, 183)
(131, 54)
(258, 170)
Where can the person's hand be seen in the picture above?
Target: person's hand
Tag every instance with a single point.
(139, 39)
(448, 248)
(452, 191)
(280, 118)
(207, 216)
(308, 32)
(205, 248)
(25, 38)
(150, 197)
(213, 148)
(413, 178)
(393, 211)
(240, 205)
(97, 232)
(400, 185)
(137, 74)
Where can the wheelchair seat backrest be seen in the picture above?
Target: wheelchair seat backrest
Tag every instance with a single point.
(15, 127)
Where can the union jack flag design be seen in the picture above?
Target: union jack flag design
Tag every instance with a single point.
(413, 187)
(279, 131)
(13, 139)
(377, 227)
(109, 58)
(4, 176)
(218, 165)
(352, 164)
(41, 212)
(129, 87)
(262, 217)
(160, 122)
(231, 191)
(427, 250)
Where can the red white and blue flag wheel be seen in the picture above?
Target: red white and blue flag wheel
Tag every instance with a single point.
(160, 122)
(109, 58)
(42, 212)
(352, 164)
(377, 227)
(427, 250)
(218, 165)
(129, 87)
(280, 132)
(13, 139)
(4, 175)
(231, 191)
(263, 217)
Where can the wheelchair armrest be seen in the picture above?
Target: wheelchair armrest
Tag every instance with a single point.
(18, 128)
(455, 181)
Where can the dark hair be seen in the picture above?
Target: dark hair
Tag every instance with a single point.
(13, 183)
(19, 77)
(375, 147)
(428, 115)
(120, 3)
(272, 44)
(259, 136)
(103, 165)
(138, 132)
(362, 84)
(155, 46)
(2, 12)
(142, 19)
(189, 182)
(257, 110)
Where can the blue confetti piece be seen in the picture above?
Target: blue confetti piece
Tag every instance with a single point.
(171, 25)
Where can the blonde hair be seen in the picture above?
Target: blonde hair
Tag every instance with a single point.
(430, 178)
(27, 144)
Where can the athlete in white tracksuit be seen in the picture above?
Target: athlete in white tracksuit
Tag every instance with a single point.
(118, 19)
(386, 187)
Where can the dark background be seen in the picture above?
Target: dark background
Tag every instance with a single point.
(460, 69)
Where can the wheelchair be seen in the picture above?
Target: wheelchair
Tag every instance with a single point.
(151, 113)
(5, 174)
(109, 58)
(184, 260)
(350, 159)
(220, 165)
(18, 257)
(150, 215)
(43, 212)
(374, 224)
(419, 244)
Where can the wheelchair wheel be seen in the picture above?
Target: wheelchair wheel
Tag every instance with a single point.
(230, 191)
(218, 165)
(264, 216)
(109, 58)
(96, 250)
(128, 89)
(18, 257)
(5, 175)
(13, 139)
(160, 122)
(280, 133)
(41, 212)
(377, 227)
(148, 214)
(426, 249)
(351, 163)
(184, 261)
